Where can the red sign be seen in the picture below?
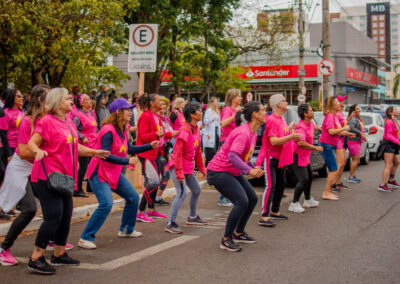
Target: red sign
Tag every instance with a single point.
(166, 77)
(361, 76)
(283, 71)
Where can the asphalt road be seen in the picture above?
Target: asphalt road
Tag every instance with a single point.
(354, 240)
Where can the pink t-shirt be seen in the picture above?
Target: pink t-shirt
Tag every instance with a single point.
(10, 122)
(88, 121)
(241, 140)
(330, 122)
(25, 132)
(179, 121)
(275, 126)
(307, 132)
(226, 113)
(58, 143)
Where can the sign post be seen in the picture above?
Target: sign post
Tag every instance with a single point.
(142, 57)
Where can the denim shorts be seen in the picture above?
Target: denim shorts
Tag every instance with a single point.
(329, 156)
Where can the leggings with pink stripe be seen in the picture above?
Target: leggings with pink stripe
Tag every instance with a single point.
(151, 181)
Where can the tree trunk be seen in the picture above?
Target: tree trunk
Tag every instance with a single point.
(206, 88)
(36, 76)
(152, 82)
(55, 78)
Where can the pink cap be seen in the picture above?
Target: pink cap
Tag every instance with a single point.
(341, 98)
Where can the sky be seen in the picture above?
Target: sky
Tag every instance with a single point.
(249, 8)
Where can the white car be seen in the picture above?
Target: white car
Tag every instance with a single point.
(376, 126)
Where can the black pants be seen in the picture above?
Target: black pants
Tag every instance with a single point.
(150, 192)
(83, 165)
(57, 212)
(240, 192)
(4, 162)
(27, 206)
(304, 180)
(278, 180)
(209, 153)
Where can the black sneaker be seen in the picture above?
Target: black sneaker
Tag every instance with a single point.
(161, 202)
(63, 260)
(243, 238)
(278, 217)
(80, 194)
(11, 213)
(266, 223)
(229, 245)
(4, 216)
(342, 186)
(335, 188)
(41, 266)
(196, 221)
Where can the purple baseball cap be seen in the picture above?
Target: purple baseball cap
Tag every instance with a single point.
(119, 104)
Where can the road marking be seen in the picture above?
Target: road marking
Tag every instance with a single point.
(122, 261)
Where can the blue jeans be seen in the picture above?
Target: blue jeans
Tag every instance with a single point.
(103, 193)
(329, 156)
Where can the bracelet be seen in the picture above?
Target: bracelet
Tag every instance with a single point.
(93, 153)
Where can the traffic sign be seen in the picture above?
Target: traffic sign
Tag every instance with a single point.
(326, 67)
(303, 90)
(301, 98)
(142, 56)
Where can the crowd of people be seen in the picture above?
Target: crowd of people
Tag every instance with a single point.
(99, 136)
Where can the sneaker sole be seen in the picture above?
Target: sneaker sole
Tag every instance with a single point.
(229, 249)
(196, 224)
(225, 205)
(129, 236)
(393, 186)
(353, 182)
(85, 247)
(295, 211)
(172, 232)
(144, 221)
(267, 225)
(63, 264)
(8, 263)
(276, 218)
(159, 217)
(311, 206)
(35, 270)
(384, 190)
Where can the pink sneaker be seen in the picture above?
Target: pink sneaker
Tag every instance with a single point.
(393, 184)
(50, 246)
(6, 258)
(384, 188)
(141, 217)
(154, 214)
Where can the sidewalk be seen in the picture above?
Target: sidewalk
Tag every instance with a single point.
(84, 207)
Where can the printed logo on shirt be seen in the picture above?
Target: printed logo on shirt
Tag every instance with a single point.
(94, 123)
(287, 130)
(158, 127)
(196, 143)
(70, 138)
(18, 121)
(246, 158)
(123, 149)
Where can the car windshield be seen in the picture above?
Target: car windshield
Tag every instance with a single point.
(367, 119)
(319, 117)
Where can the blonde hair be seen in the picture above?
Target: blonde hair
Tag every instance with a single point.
(116, 119)
(211, 105)
(177, 102)
(328, 104)
(54, 99)
(230, 95)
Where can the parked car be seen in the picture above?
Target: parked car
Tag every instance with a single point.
(316, 160)
(375, 109)
(376, 126)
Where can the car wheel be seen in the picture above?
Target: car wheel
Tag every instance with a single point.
(365, 159)
(323, 172)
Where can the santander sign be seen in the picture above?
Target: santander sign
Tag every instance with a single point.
(283, 71)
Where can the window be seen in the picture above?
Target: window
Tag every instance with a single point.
(381, 38)
(395, 30)
(363, 18)
(375, 25)
(382, 45)
(395, 43)
(362, 25)
(374, 17)
(375, 32)
(382, 52)
(382, 31)
(381, 24)
(395, 37)
(381, 17)
(394, 17)
(349, 18)
(394, 24)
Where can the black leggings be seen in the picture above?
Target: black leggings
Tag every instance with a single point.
(83, 165)
(304, 180)
(150, 191)
(240, 192)
(27, 206)
(57, 212)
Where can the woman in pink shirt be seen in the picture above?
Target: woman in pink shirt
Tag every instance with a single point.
(85, 121)
(187, 151)
(391, 141)
(329, 139)
(226, 172)
(233, 98)
(177, 117)
(54, 145)
(9, 123)
(301, 164)
(16, 189)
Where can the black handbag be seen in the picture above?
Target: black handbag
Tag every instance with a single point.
(61, 183)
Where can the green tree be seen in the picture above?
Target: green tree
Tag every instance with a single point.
(396, 80)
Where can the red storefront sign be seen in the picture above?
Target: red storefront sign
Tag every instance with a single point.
(166, 77)
(282, 71)
(361, 76)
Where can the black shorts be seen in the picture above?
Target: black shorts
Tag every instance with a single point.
(391, 147)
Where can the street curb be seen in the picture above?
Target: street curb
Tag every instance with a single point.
(87, 210)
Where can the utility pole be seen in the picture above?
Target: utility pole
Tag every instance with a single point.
(302, 72)
(326, 41)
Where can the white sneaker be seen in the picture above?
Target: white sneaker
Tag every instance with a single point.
(310, 203)
(86, 244)
(134, 234)
(296, 207)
